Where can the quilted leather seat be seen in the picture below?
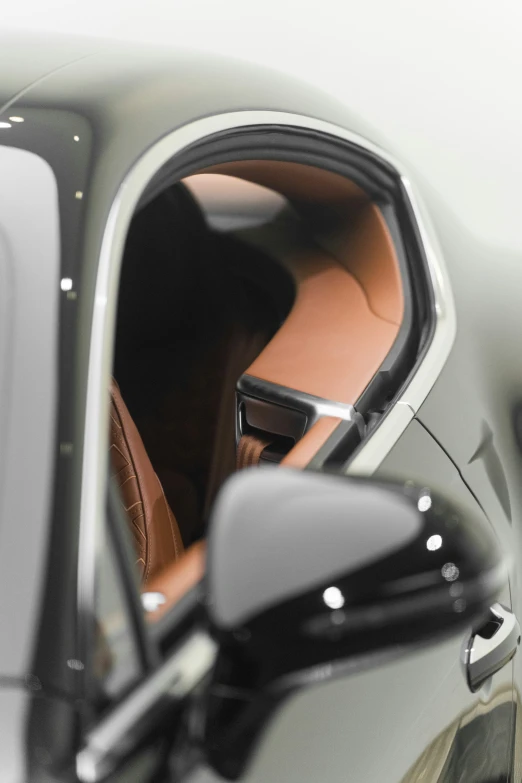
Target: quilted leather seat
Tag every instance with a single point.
(154, 528)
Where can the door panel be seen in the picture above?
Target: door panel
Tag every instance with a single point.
(407, 720)
(388, 724)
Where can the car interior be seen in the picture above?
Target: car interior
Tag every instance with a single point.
(259, 301)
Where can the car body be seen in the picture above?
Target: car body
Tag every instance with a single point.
(85, 129)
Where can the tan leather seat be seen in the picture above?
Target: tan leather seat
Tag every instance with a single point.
(154, 528)
(177, 579)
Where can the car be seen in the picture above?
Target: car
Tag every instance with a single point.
(261, 437)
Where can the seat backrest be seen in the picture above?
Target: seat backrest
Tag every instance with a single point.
(154, 528)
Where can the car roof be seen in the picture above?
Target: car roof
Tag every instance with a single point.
(124, 97)
(121, 79)
(27, 58)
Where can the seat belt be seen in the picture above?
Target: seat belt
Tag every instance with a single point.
(249, 450)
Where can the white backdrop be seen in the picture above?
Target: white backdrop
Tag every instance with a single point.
(442, 78)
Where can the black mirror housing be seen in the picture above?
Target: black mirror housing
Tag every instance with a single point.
(308, 572)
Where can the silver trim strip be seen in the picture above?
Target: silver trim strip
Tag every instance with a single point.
(381, 441)
(340, 410)
(111, 738)
(101, 346)
(483, 657)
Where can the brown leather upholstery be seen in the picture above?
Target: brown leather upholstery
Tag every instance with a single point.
(332, 344)
(306, 449)
(177, 579)
(296, 181)
(249, 451)
(153, 525)
(349, 303)
(364, 246)
(358, 237)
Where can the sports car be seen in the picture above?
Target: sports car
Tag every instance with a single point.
(260, 437)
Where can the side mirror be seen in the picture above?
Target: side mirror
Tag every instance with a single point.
(310, 575)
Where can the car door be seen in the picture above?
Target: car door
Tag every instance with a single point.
(411, 719)
(408, 718)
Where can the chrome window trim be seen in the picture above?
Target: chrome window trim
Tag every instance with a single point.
(95, 457)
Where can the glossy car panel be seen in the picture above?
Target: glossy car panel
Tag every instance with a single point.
(332, 732)
(96, 129)
(29, 231)
(21, 72)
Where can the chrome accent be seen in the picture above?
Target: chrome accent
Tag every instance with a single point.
(313, 407)
(484, 656)
(111, 739)
(446, 319)
(371, 453)
(152, 601)
(75, 664)
(94, 469)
